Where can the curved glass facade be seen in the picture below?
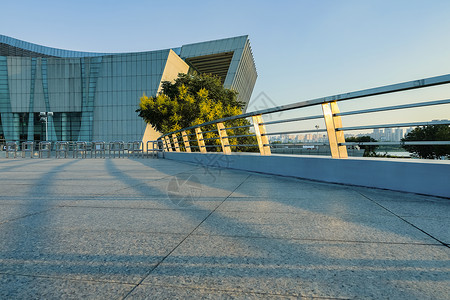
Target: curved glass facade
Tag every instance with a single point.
(94, 96)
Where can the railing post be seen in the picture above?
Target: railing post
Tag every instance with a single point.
(335, 137)
(200, 140)
(168, 143)
(260, 131)
(187, 146)
(163, 142)
(339, 133)
(175, 142)
(147, 145)
(226, 149)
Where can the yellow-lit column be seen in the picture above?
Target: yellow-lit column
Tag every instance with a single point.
(187, 146)
(226, 149)
(175, 142)
(163, 140)
(168, 143)
(339, 134)
(260, 131)
(200, 140)
(334, 137)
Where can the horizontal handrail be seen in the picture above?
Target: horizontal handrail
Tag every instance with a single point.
(243, 145)
(331, 115)
(394, 107)
(293, 120)
(207, 139)
(237, 127)
(394, 125)
(297, 144)
(242, 135)
(399, 87)
(295, 131)
(396, 143)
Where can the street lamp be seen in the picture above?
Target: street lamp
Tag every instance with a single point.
(44, 118)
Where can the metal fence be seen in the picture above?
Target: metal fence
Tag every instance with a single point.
(77, 149)
(218, 139)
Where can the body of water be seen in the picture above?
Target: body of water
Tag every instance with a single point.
(395, 153)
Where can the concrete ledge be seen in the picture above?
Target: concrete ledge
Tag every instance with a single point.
(406, 175)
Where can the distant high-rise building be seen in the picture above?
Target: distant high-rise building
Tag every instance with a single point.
(388, 136)
(398, 134)
(377, 134)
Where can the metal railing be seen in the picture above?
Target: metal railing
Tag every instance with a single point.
(193, 137)
(61, 148)
(154, 149)
(77, 149)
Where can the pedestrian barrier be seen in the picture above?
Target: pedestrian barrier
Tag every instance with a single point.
(61, 148)
(80, 148)
(117, 147)
(28, 147)
(45, 147)
(154, 149)
(98, 147)
(135, 148)
(11, 147)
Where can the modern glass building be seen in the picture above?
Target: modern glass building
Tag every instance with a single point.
(94, 96)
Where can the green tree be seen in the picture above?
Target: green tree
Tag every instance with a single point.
(191, 100)
(369, 150)
(429, 133)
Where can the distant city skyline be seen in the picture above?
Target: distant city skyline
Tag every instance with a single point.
(381, 135)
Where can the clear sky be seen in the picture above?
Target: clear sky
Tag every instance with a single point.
(303, 49)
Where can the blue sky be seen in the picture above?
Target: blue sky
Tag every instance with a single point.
(302, 49)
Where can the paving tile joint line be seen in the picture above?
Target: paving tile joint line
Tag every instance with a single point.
(182, 241)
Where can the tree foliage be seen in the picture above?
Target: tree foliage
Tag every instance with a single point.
(369, 150)
(191, 100)
(429, 133)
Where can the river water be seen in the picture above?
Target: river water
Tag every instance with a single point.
(395, 153)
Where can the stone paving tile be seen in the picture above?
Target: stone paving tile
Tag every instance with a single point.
(44, 190)
(281, 187)
(347, 203)
(430, 214)
(29, 287)
(437, 227)
(19, 176)
(307, 268)
(111, 201)
(393, 196)
(163, 187)
(9, 212)
(315, 226)
(107, 255)
(42, 200)
(120, 219)
(183, 292)
(410, 205)
(170, 203)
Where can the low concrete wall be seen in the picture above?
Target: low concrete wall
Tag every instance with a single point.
(408, 175)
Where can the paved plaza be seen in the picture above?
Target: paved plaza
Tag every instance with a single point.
(160, 229)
